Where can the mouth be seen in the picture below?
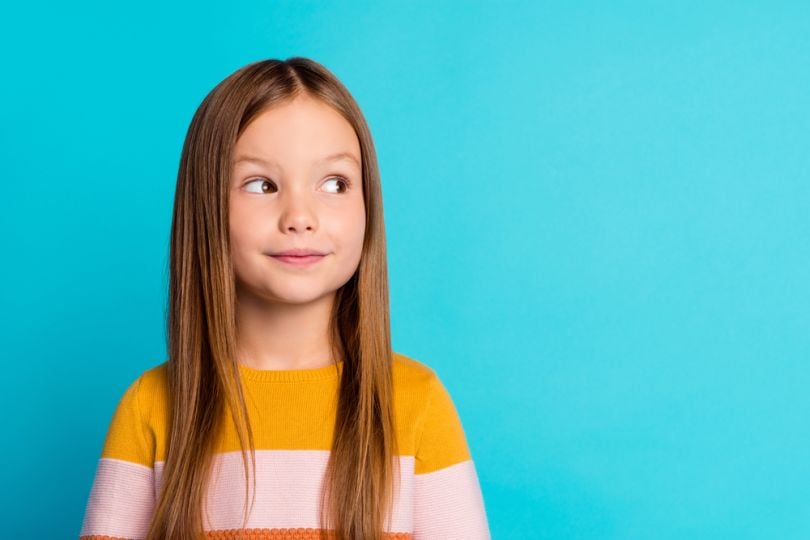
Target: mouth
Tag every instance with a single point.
(298, 260)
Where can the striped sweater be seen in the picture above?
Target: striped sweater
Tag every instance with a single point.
(437, 496)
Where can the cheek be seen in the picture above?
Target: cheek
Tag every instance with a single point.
(356, 228)
(244, 232)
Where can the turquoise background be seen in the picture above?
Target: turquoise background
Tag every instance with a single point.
(597, 217)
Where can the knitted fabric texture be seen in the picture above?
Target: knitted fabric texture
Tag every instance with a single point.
(292, 412)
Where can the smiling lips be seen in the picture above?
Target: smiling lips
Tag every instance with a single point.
(300, 261)
(299, 256)
(298, 252)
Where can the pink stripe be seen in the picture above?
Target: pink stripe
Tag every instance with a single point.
(448, 504)
(288, 490)
(442, 504)
(121, 500)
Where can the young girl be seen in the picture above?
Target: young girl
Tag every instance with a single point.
(282, 411)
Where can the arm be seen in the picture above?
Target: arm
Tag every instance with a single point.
(448, 503)
(122, 496)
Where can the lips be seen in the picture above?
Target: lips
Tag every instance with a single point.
(299, 260)
(297, 252)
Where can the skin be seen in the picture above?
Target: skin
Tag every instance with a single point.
(292, 200)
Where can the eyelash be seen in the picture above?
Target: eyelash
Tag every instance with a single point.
(332, 177)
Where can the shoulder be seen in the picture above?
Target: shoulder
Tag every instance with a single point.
(156, 373)
(447, 495)
(434, 431)
(155, 377)
(153, 389)
(151, 394)
(130, 434)
(416, 380)
(411, 371)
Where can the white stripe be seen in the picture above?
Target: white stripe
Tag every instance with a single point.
(448, 504)
(288, 484)
(121, 500)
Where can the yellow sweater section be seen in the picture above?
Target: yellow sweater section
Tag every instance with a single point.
(295, 409)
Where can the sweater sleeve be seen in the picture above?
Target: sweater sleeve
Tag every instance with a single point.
(122, 495)
(448, 503)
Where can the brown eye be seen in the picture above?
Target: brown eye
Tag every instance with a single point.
(342, 180)
(262, 183)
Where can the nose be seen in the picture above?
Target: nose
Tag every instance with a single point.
(298, 214)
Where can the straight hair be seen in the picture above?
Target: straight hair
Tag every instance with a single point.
(203, 375)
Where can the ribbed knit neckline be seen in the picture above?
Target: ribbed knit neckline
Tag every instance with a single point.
(287, 375)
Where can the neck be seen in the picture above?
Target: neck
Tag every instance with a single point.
(283, 336)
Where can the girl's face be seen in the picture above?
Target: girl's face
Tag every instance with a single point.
(296, 183)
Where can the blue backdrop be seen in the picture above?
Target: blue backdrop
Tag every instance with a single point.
(597, 217)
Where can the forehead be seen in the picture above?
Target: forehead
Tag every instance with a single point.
(304, 131)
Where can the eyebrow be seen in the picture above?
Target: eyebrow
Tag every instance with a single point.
(339, 156)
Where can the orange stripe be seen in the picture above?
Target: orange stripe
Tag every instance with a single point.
(266, 534)
(292, 416)
(287, 534)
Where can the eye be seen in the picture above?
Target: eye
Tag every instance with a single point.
(261, 182)
(345, 181)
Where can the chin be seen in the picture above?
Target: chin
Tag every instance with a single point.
(297, 296)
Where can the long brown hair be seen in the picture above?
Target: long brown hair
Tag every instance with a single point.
(203, 375)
